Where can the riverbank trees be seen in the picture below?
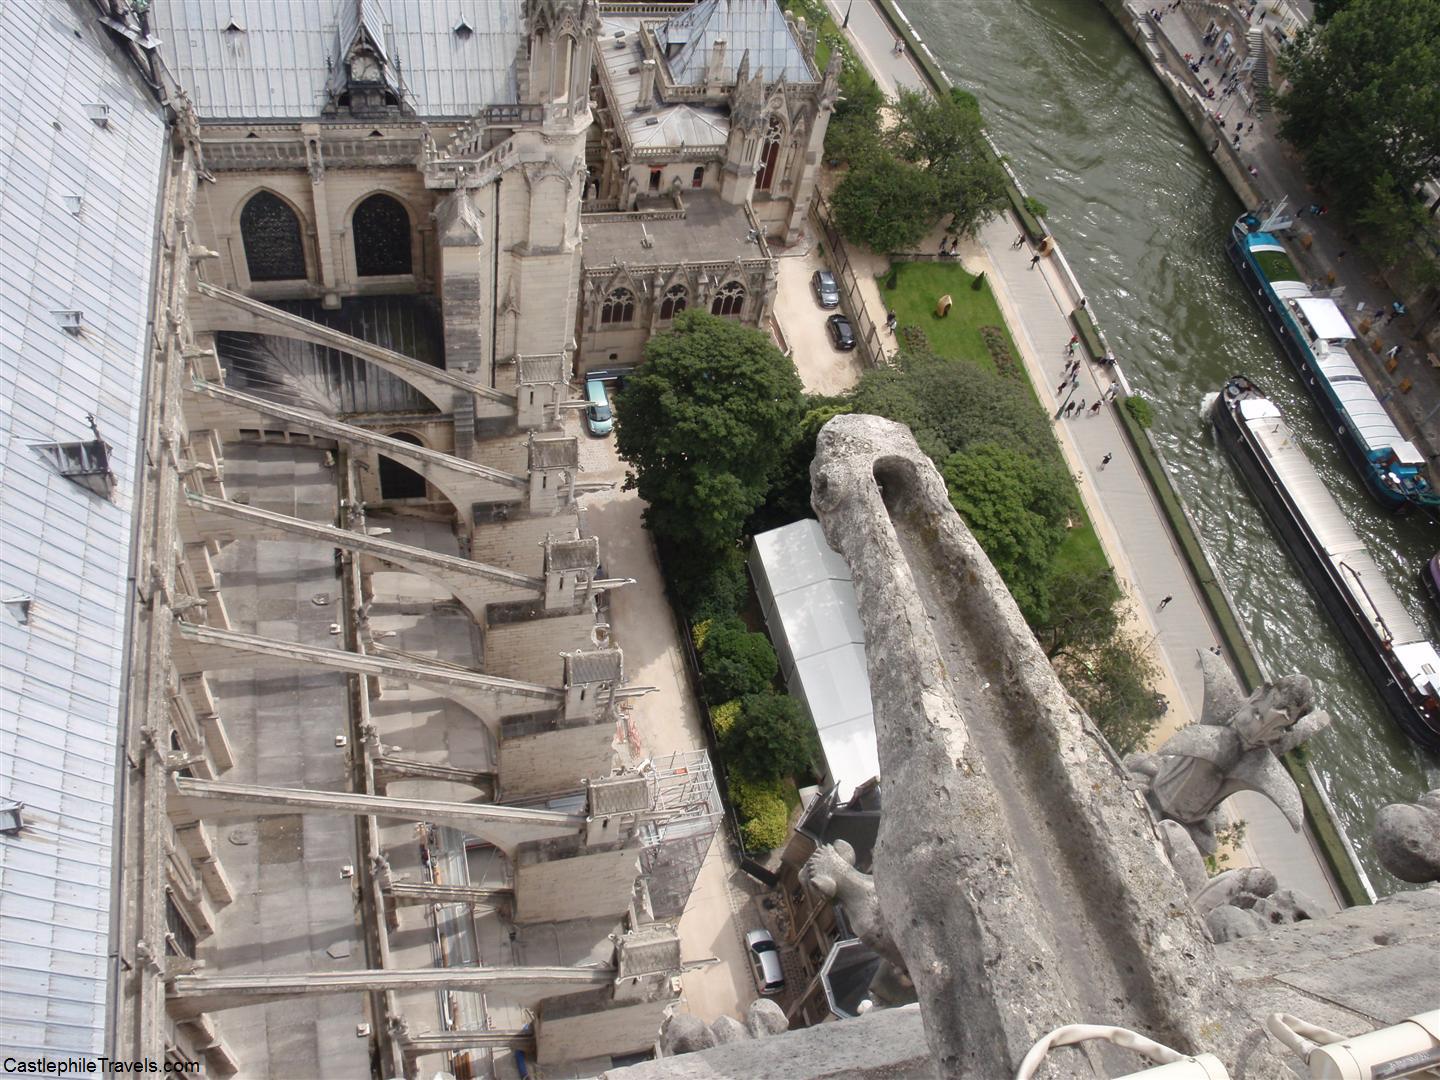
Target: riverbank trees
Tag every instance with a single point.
(1364, 109)
(931, 161)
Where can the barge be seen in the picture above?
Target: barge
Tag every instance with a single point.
(1399, 659)
(1315, 337)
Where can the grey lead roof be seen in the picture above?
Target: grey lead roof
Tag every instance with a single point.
(276, 63)
(754, 26)
(67, 548)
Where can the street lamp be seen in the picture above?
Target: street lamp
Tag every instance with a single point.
(845, 22)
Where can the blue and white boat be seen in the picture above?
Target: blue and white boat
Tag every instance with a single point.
(1316, 337)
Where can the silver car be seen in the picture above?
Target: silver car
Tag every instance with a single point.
(765, 961)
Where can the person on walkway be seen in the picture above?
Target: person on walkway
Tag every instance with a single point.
(1034, 259)
(899, 49)
(1070, 348)
(1080, 409)
(1019, 242)
(1392, 352)
(1096, 407)
(890, 321)
(942, 247)
(1075, 378)
(1063, 382)
(1105, 461)
(955, 246)
(1112, 392)
(1165, 602)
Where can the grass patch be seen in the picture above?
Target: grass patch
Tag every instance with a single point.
(958, 336)
(1276, 266)
(1080, 553)
(1089, 333)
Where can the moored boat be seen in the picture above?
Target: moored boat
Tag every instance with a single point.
(1316, 337)
(1399, 659)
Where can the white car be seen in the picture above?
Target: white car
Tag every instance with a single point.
(765, 961)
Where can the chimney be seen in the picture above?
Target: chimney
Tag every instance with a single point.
(714, 71)
(647, 86)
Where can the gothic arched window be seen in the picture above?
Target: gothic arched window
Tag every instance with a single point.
(770, 154)
(674, 301)
(380, 227)
(399, 481)
(619, 307)
(270, 231)
(729, 300)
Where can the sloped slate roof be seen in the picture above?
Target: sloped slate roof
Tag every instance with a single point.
(756, 26)
(278, 60)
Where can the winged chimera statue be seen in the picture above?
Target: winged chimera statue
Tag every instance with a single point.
(1236, 746)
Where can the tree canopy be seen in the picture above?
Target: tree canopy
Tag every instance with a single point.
(772, 738)
(933, 160)
(703, 425)
(1364, 109)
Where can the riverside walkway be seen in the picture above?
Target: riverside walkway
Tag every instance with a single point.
(1134, 531)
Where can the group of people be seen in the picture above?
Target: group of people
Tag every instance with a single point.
(1072, 381)
(952, 251)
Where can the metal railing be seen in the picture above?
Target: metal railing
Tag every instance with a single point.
(867, 335)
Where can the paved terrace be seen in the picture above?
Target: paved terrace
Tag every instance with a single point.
(1132, 528)
(721, 230)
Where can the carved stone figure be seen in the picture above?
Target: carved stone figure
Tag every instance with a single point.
(684, 1033)
(831, 872)
(1236, 746)
(1407, 838)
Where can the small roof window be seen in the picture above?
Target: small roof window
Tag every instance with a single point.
(463, 29)
(234, 26)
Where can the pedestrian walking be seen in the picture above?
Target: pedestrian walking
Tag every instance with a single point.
(1110, 394)
(1096, 407)
(1068, 409)
(1080, 409)
(942, 245)
(1019, 242)
(1105, 461)
(1165, 602)
(1034, 259)
(1070, 349)
(1392, 352)
(1063, 382)
(1075, 379)
(1074, 339)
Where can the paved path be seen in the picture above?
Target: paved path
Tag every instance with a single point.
(1118, 497)
(1281, 174)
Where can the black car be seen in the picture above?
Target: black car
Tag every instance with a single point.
(827, 292)
(842, 336)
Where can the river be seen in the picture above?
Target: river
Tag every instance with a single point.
(1142, 215)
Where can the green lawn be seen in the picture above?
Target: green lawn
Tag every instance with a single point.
(1276, 266)
(957, 336)
(920, 285)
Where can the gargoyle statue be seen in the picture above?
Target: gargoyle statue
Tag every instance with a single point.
(1236, 746)
(831, 872)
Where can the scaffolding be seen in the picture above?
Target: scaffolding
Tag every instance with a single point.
(685, 813)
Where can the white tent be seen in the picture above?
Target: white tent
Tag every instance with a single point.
(811, 612)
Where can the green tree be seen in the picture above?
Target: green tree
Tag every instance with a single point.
(854, 131)
(1364, 109)
(1082, 613)
(947, 137)
(886, 204)
(735, 662)
(703, 424)
(789, 498)
(771, 739)
(1017, 508)
(1115, 684)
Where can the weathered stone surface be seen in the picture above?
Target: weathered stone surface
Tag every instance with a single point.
(684, 1033)
(1227, 887)
(1021, 881)
(1236, 746)
(884, 1044)
(728, 1030)
(1227, 923)
(1184, 856)
(1407, 838)
(765, 1017)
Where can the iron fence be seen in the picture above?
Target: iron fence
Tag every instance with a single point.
(867, 334)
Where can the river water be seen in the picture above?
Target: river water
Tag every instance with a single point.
(1142, 215)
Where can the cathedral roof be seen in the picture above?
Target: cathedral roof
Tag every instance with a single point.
(754, 26)
(285, 59)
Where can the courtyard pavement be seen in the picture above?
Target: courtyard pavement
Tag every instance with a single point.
(721, 907)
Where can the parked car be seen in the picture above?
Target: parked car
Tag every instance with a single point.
(842, 335)
(765, 961)
(598, 417)
(827, 292)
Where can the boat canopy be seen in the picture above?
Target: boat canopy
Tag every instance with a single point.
(1325, 318)
(1368, 417)
(1421, 663)
(1255, 408)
